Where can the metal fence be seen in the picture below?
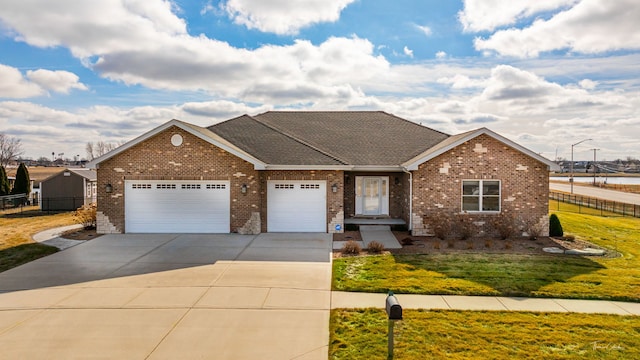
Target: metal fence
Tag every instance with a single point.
(61, 203)
(593, 206)
(13, 201)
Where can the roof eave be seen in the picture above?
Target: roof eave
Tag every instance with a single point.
(213, 139)
(427, 155)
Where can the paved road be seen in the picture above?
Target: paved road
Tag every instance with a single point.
(599, 193)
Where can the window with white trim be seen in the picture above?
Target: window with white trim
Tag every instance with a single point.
(481, 195)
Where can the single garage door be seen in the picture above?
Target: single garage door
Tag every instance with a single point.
(297, 206)
(177, 206)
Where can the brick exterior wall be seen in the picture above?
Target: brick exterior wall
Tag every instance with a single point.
(335, 210)
(157, 159)
(437, 191)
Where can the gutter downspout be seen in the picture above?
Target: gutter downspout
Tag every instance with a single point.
(410, 197)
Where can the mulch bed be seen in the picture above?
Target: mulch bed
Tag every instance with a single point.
(80, 234)
(487, 245)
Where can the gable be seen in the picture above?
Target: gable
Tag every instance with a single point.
(194, 130)
(456, 140)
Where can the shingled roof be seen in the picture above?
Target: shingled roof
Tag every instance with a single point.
(352, 138)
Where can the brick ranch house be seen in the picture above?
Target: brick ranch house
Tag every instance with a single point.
(316, 172)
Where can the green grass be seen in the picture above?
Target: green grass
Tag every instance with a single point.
(362, 334)
(16, 245)
(22, 254)
(507, 274)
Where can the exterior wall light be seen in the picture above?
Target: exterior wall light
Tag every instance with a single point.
(334, 188)
(243, 188)
(108, 188)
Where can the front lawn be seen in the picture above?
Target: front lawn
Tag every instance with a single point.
(16, 245)
(529, 275)
(446, 334)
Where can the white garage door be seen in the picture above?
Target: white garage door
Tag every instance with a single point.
(297, 206)
(177, 206)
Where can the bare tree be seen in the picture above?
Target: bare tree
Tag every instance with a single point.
(98, 149)
(90, 153)
(10, 148)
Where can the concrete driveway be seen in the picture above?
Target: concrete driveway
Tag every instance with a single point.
(172, 296)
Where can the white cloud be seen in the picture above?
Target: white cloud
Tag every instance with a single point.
(14, 85)
(425, 29)
(58, 81)
(221, 109)
(283, 16)
(591, 26)
(487, 15)
(148, 45)
(408, 52)
(441, 55)
(460, 81)
(509, 83)
(588, 84)
(36, 82)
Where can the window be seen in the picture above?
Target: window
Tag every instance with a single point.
(88, 190)
(309, 186)
(481, 195)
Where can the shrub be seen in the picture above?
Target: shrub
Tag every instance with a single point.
(375, 247)
(436, 244)
(533, 228)
(351, 248)
(440, 225)
(505, 226)
(86, 215)
(555, 228)
(464, 227)
(451, 243)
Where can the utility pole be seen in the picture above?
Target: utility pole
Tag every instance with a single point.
(572, 145)
(594, 166)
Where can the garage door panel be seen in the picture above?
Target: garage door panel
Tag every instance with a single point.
(296, 206)
(177, 206)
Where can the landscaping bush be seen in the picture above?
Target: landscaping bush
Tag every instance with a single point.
(505, 226)
(351, 248)
(533, 228)
(464, 227)
(375, 247)
(440, 225)
(86, 215)
(555, 228)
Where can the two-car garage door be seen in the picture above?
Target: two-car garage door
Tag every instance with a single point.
(159, 206)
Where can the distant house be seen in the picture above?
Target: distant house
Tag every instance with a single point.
(68, 190)
(316, 172)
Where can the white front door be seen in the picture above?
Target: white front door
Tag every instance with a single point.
(372, 195)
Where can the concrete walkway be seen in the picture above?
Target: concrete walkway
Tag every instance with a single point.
(52, 237)
(477, 303)
(379, 233)
(605, 194)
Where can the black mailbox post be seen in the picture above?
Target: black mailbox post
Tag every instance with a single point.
(394, 313)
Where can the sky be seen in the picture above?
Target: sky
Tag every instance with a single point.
(546, 74)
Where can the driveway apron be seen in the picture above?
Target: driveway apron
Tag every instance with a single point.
(168, 296)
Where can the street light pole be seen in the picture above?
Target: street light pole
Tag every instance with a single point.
(594, 166)
(572, 145)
